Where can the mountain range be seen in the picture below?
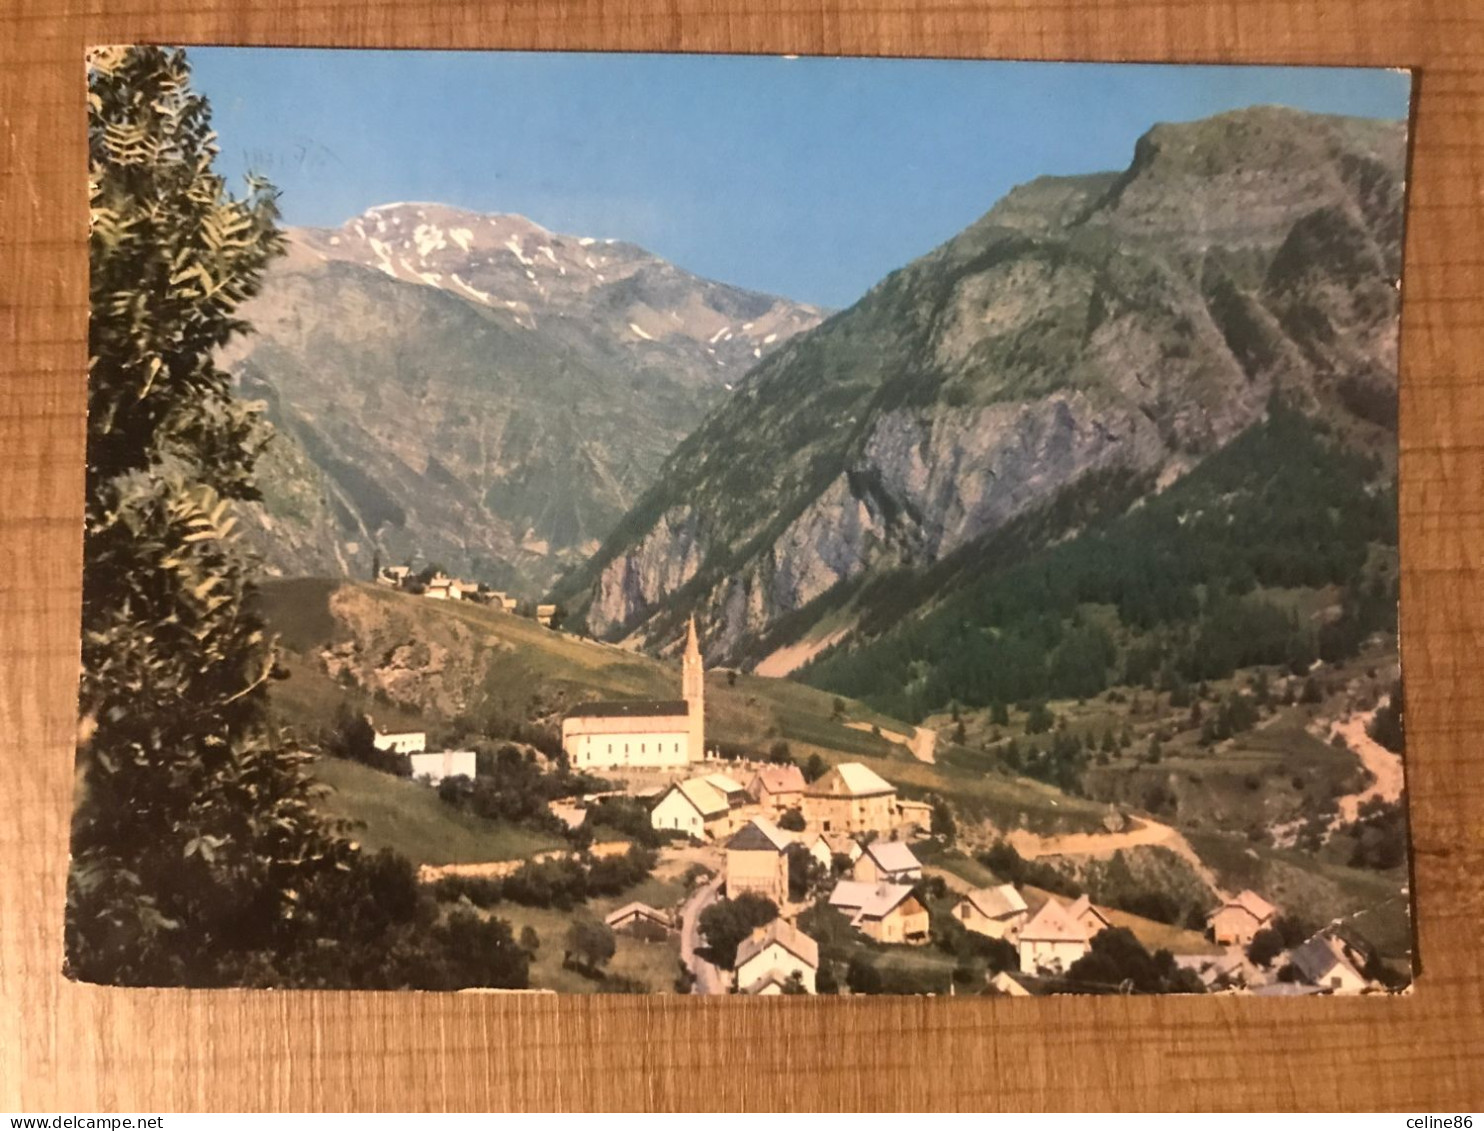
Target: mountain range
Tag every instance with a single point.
(477, 392)
(1115, 328)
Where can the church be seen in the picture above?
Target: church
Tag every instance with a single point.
(643, 733)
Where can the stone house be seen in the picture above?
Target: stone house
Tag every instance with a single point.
(757, 861)
(850, 798)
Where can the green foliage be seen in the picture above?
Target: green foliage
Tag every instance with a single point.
(792, 820)
(1379, 835)
(591, 942)
(353, 738)
(194, 835)
(627, 816)
(1006, 863)
(198, 855)
(1265, 946)
(562, 882)
(805, 873)
(512, 786)
(943, 825)
(729, 921)
(1283, 506)
(1118, 959)
(1388, 727)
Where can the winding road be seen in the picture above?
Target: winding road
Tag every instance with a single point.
(710, 979)
(1144, 833)
(1384, 767)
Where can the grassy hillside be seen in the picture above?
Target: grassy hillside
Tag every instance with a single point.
(483, 671)
(410, 819)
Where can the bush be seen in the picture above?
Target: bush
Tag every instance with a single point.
(728, 921)
(591, 942)
(792, 820)
(1118, 959)
(1266, 945)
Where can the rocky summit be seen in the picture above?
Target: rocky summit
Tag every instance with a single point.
(1123, 324)
(478, 392)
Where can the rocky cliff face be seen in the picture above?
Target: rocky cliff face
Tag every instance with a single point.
(478, 391)
(1123, 323)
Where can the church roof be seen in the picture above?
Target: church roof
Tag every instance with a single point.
(630, 709)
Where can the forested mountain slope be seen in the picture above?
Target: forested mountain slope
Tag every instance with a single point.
(1085, 344)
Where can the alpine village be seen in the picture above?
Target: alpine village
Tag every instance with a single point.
(1028, 627)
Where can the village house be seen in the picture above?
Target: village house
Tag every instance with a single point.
(437, 587)
(850, 798)
(1217, 972)
(1237, 920)
(641, 921)
(826, 846)
(889, 860)
(777, 788)
(773, 956)
(733, 791)
(643, 733)
(443, 764)
(394, 577)
(916, 815)
(1327, 962)
(757, 861)
(1052, 940)
(1092, 919)
(400, 742)
(997, 912)
(545, 615)
(1005, 984)
(694, 807)
(885, 912)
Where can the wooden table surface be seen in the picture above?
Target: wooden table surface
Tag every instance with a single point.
(65, 1047)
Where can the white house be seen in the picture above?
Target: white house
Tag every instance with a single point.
(443, 764)
(1326, 962)
(1052, 940)
(401, 742)
(770, 957)
(690, 806)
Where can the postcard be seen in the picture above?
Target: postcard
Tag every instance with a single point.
(601, 523)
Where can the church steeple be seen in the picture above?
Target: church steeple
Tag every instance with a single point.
(693, 689)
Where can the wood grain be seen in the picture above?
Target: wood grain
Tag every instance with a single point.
(77, 1048)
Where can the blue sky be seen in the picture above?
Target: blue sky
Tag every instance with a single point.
(805, 177)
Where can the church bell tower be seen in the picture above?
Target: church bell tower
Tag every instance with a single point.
(693, 689)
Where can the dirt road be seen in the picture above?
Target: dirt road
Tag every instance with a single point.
(1143, 834)
(709, 979)
(1384, 767)
(921, 742)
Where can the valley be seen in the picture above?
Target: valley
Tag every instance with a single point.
(1078, 534)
